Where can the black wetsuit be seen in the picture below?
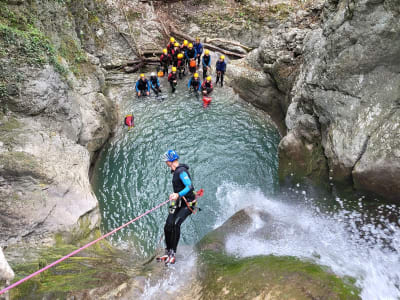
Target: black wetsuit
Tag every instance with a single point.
(180, 211)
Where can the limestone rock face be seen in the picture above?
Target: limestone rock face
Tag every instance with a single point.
(349, 84)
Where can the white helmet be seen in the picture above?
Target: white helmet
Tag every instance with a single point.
(153, 74)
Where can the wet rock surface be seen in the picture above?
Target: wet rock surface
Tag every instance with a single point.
(271, 277)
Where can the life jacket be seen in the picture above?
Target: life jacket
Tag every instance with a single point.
(129, 120)
(178, 185)
(180, 63)
(207, 59)
(160, 74)
(143, 84)
(164, 58)
(192, 63)
(172, 77)
(191, 53)
(154, 80)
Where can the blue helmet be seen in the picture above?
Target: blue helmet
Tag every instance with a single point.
(170, 155)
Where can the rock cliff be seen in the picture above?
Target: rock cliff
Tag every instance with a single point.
(329, 78)
(55, 112)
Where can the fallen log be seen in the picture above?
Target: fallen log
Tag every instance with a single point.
(180, 34)
(248, 49)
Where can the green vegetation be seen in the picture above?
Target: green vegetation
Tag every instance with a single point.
(91, 268)
(280, 277)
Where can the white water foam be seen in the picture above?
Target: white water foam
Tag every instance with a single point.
(176, 279)
(343, 241)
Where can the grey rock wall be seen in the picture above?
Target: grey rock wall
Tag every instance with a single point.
(349, 85)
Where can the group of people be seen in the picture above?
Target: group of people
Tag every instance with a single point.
(180, 58)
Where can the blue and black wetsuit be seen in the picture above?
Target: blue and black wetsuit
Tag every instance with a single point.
(155, 84)
(199, 51)
(196, 84)
(142, 86)
(206, 61)
(182, 184)
(221, 68)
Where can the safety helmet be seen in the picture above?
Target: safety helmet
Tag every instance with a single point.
(207, 52)
(170, 155)
(180, 55)
(190, 45)
(197, 38)
(172, 39)
(222, 57)
(173, 69)
(153, 74)
(165, 50)
(208, 78)
(142, 75)
(196, 75)
(185, 42)
(176, 45)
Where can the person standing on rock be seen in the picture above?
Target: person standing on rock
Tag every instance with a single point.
(181, 199)
(221, 68)
(206, 62)
(164, 61)
(142, 86)
(173, 79)
(199, 49)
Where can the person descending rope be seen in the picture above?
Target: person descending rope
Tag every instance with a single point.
(142, 86)
(155, 83)
(165, 60)
(221, 68)
(191, 55)
(170, 45)
(207, 87)
(206, 61)
(181, 65)
(172, 79)
(176, 51)
(199, 49)
(195, 83)
(183, 198)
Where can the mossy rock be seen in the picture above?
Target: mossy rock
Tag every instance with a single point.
(223, 276)
(270, 277)
(96, 267)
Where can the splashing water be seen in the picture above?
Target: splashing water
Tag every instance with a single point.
(348, 241)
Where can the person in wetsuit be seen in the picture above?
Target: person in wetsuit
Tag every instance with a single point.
(182, 199)
(142, 86)
(155, 83)
(195, 83)
(207, 86)
(165, 59)
(206, 61)
(173, 79)
(221, 68)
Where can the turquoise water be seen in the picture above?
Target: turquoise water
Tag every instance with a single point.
(230, 143)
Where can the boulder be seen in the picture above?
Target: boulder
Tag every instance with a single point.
(223, 276)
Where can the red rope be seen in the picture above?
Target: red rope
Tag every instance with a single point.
(79, 250)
